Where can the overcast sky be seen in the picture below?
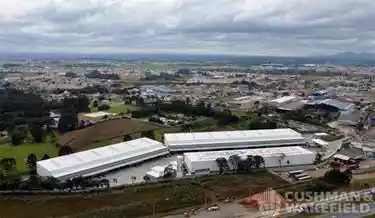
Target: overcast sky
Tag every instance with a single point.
(254, 27)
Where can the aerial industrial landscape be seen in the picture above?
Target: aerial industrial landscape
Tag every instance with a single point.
(187, 109)
(92, 129)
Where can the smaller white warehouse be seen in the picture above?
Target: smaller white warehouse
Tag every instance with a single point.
(199, 141)
(205, 162)
(99, 160)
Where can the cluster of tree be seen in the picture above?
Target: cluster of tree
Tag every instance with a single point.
(95, 74)
(258, 122)
(50, 183)
(70, 74)
(337, 177)
(224, 117)
(305, 115)
(69, 109)
(237, 164)
(9, 164)
(22, 112)
(183, 72)
(104, 107)
(18, 107)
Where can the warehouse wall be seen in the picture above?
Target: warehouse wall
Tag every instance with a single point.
(41, 171)
(302, 159)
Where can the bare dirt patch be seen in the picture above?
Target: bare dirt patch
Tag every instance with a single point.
(102, 131)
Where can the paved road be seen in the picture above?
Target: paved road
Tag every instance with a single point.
(357, 213)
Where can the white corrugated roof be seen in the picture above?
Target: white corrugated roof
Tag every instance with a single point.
(320, 142)
(264, 152)
(342, 157)
(221, 137)
(284, 99)
(60, 166)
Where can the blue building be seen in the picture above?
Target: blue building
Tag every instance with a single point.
(342, 107)
(319, 95)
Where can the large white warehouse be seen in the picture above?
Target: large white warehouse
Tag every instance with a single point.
(177, 142)
(99, 160)
(205, 162)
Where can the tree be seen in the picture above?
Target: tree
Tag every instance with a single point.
(37, 133)
(17, 137)
(126, 138)
(249, 163)
(45, 157)
(220, 165)
(235, 160)
(8, 164)
(95, 104)
(83, 104)
(70, 74)
(318, 157)
(183, 72)
(259, 161)
(148, 134)
(31, 161)
(65, 150)
(169, 172)
(67, 122)
(281, 159)
(104, 107)
(133, 178)
(146, 178)
(337, 177)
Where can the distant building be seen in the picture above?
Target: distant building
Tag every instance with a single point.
(319, 95)
(339, 105)
(284, 100)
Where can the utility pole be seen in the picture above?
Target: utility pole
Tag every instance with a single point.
(153, 209)
(205, 199)
(250, 188)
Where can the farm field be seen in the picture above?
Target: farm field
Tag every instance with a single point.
(139, 201)
(102, 131)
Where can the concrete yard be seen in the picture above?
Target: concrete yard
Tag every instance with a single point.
(124, 176)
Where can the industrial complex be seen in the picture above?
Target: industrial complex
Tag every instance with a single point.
(211, 145)
(205, 162)
(205, 141)
(100, 160)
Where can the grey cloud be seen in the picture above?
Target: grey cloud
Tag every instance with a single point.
(228, 26)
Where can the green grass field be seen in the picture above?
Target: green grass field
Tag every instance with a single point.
(120, 107)
(21, 152)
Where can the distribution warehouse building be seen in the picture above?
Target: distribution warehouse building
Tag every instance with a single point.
(103, 159)
(200, 141)
(205, 162)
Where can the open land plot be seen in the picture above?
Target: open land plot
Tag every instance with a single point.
(120, 107)
(139, 201)
(102, 131)
(21, 152)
